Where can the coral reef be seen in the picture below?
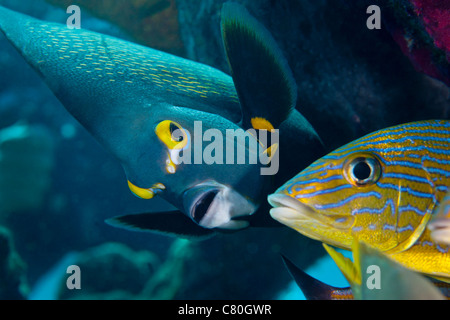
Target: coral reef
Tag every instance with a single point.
(13, 284)
(114, 271)
(422, 30)
(111, 271)
(150, 22)
(26, 163)
(220, 268)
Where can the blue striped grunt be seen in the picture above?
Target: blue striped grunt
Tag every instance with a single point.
(380, 189)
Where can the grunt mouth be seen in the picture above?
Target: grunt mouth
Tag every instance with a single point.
(292, 212)
(287, 209)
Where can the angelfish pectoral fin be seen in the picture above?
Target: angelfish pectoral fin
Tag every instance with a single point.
(173, 223)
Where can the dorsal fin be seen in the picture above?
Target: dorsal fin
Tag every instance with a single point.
(264, 82)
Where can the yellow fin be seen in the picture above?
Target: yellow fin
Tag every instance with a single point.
(347, 267)
(261, 124)
(442, 279)
(356, 251)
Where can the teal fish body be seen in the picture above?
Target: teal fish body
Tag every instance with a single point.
(133, 99)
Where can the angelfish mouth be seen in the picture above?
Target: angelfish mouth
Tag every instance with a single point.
(200, 208)
(218, 206)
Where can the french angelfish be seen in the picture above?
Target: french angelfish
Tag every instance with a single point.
(394, 282)
(381, 189)
(142, 105)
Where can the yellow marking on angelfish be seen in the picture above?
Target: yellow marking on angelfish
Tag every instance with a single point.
(170, 166)
(164, 133)
(261, 124)
(146, 193)
(141, 192)
(270, 151)
(159, 186)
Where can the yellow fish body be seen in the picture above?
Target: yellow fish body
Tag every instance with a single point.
(381, 189)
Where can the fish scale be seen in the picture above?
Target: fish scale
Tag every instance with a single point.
(390, 214)
(74, 42)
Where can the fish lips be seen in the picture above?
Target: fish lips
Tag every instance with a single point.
(213, 205)
(294, 213)
(288, 210)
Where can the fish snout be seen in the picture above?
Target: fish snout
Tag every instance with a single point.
(294, 213)
(288, 210)
(213, 205)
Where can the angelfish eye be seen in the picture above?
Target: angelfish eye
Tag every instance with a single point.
(362, 170)
(176, 133)
(172, 134)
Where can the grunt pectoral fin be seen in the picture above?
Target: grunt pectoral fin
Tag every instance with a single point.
(173, 223)
(264, 82)
(350, 270)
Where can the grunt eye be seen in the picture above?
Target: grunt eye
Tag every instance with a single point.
(362, 170)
